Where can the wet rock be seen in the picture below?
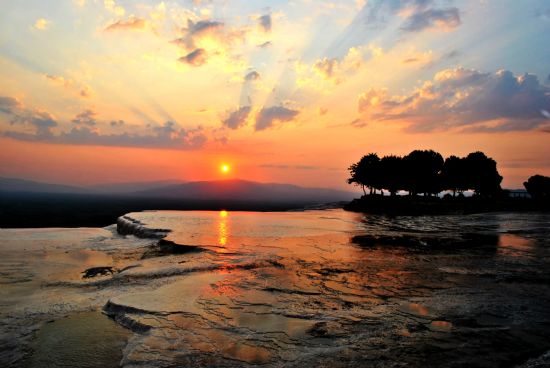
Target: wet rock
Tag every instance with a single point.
(127, 225)
(98, 271)
(326, 329)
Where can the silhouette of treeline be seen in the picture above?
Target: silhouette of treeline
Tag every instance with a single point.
(426, 172)
(538, 187)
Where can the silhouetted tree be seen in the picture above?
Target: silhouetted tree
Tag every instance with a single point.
(538, 187)
(482, 175)
(422, 170)
(425, 171)
(391, 174)
(453, 175)
(365, 172)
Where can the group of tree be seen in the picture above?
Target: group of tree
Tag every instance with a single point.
(538, 187)
(426, 172)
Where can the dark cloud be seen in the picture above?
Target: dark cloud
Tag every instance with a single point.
(8, 104)
(451, 54)
(265, 22)
(237, 118)
(465, 98)
(195, 58)
(194, 31)
(133, 23)
(253, 75)
(87, 117)
(42, 121)
(432, 18)
(169, 135)
(117, 123)
(17, 114)
(268, 116)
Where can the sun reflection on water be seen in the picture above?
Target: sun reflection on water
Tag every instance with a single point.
(223, 228)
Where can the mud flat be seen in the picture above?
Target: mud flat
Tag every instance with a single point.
(315, 288)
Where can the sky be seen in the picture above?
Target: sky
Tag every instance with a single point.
(100, 91)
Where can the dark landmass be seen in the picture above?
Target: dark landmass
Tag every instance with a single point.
(27, 210)
(132, 187)
(416, 205)
(32, 208)
(19, 185)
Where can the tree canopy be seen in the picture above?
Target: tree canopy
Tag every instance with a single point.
(538, 187)
(426, 172)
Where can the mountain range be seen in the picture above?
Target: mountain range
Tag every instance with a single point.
(227, 190)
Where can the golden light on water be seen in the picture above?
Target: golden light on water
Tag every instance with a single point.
(223, 228)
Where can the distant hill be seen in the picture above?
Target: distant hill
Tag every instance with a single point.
(8, 185)
(132, 187)
(242, 190)
(223, 190)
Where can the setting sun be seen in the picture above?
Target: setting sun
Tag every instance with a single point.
(225, 168)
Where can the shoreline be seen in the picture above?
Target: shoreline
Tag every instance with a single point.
(419, 206)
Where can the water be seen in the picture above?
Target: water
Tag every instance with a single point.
(283, 289)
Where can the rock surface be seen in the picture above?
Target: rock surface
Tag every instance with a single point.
(318, 288)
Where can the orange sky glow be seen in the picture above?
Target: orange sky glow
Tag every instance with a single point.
(118, 91)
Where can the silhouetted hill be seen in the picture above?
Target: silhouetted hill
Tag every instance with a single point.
(29, 186)
(242, 190)
(132, 187)
(30, 204)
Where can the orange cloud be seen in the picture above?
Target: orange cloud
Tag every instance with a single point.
(133, 23)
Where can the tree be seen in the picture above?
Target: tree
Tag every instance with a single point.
(538, 187)
(482, 175)
(422, 172)
(453, 175)
(391, 174)
(365, 172)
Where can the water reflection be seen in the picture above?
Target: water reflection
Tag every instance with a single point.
(223, 230)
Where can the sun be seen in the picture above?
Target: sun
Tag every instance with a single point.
(225, 168)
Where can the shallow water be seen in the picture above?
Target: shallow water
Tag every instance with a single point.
(313, 288)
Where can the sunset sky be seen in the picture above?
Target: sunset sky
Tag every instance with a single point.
(96, 91)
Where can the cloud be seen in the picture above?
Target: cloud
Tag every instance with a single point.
(268, 116)
(194, 58)
(237, 118)
(112, 6)
(442, 19)
(333, 69)
(86, 131)
(87, 117)
(167, 136)
(117, 123)
(42, 24)
(8, 105)
(133, 23)
(196, 31)
(466, 99)
(84, 91)
(252, 76)
(265, 22)
(213, 38)
(41, 121)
